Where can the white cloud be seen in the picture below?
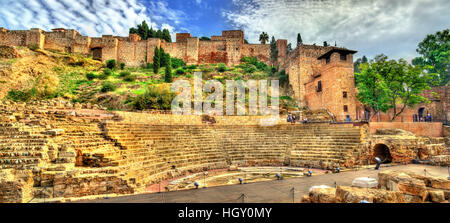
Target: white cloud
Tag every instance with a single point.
(92, 18)
(371, 27)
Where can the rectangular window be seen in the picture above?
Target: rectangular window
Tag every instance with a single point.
(328, 60)
(344, 94)
(319, 86)
(345, 108)
(343, 57)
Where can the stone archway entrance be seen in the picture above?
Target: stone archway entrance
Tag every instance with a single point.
(421, 114)
(97, 53)
(382, 151)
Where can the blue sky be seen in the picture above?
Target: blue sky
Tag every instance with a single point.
(392, 27)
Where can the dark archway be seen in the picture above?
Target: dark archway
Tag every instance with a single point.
(96, 53)
(421, 113)
(382, 151)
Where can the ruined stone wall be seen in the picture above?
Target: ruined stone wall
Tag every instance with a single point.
(430, 129)
(260, 51)
(211, 52)
(132, 53)
(22, 37)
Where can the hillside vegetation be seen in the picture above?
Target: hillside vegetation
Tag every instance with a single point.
(27, 74)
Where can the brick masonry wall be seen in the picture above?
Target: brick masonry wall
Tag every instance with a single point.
(433, 129)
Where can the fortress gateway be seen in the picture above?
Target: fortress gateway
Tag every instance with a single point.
(320, 77)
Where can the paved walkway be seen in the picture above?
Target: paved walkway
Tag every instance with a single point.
(266, 192)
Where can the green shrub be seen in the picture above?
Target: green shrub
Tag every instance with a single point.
(222, 67)
(181, 71)
(149, 66)
(90, 76)
(191, 67)
(250, 68)
(107, 72)
(122, 65)
(154, 98)
(177, 63)
(107, 87)
(33, 46)
(102, 76)
(111, 64)
(25, 95)
(124, 74)
(250, 60)
(261, 66)
(129, 78)
(273, 69)
(283, 77)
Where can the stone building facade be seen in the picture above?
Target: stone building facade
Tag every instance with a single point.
(323, 78)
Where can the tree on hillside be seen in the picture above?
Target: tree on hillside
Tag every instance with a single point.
(263, 38)
(164, 57)
(289, 48)
(151, 33)
(358, 62)
(142, 30)
(159, 34)
(435, 51)
(273, 50)
(156, 60)
(205, 38)
(389, 84)
(133, 30)
(166, 35)
(325, 43)
(168, 74)
(299, 40)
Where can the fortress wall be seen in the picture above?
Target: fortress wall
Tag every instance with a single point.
(192, 51)
(234, 49)
(212, 52)
(13, 38)
(282, 49)
(81, 45)
(58, 41)
(131, 53)
(177, 50)
(260, 51)
(151, 44)
(109, 51)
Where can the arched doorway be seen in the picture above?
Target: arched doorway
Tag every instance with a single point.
(382, 151)
(96, 53)
(421, 114)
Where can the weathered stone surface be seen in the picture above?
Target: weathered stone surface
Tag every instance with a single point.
(400, 181)
(345, 194)
(322, 195)
(16, 186)
(436, 196)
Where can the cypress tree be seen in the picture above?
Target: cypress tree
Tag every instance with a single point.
(166, 35)
(168, 77)
(299, 39)
(273, 50)
(156, 61)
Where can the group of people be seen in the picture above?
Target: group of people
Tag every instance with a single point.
(426, 118)
(291, 118)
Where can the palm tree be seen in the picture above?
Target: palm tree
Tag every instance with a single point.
(263, 37)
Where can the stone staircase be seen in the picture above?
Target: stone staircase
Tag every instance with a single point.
(21, 147)
(324, 147)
